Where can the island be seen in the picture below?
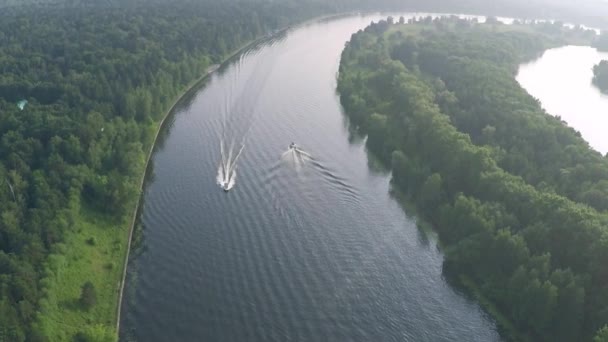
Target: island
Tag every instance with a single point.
(600, 76)
(518, 199)
(86, 86)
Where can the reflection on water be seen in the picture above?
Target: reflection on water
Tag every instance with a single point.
(561, 80)
(312, 248)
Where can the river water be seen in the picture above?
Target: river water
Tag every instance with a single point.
(561, 80)
(303, 248)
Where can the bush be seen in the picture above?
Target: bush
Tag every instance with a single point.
(88, 296)
(82, 337)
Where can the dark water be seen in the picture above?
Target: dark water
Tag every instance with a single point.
(568, 92)
(310, 249)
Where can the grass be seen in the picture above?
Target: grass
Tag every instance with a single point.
(93, 251)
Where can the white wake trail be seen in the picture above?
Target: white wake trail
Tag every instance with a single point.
(226, 174)
(238, 118)
(297, 157)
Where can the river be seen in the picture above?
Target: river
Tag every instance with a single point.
(561, 81)
(302, 248)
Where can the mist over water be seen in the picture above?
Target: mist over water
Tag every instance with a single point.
(309, 245)
(569, 92)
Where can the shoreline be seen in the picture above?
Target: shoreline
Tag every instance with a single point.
(179, 97)
(210, 71)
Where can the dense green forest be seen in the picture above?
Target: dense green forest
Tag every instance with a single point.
(600, 76)
(519, 199)
(98, 76)
(97, 81)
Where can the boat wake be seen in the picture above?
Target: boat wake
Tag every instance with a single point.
(239, 113)
(237, 121)
(226, 173)
(296, 156)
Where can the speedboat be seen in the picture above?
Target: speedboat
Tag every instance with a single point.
(225, 187)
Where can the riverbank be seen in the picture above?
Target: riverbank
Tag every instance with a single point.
(490, 215)
(160, 126)
(93, 252)
(505, 325)
(97, 250)
(190, 87)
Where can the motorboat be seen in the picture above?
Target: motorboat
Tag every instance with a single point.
(225, 186)
(292, 146)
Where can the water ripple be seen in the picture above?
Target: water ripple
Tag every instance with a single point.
(309, 252)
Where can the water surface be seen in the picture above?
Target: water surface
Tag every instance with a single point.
(561, 80)
(309, 249)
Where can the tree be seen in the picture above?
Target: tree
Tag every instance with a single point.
(97, 79)
(431, 193)
(377, 127)
(88, 296)
(82, 337)
(97, 333)
(602, 335)
(600, 75)
(569, 312)
(514, 185)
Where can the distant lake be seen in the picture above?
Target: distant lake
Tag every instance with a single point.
(561, 80)
(308, 245)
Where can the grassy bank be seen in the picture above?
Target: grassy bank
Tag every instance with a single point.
(93, 252)
(97, 250)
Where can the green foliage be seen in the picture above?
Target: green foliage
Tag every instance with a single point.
(600, 75)
(508, 187)
(97, 333)
(602, 335)
(73, 264)
(98, 78)
(88, 296)
(431, 193)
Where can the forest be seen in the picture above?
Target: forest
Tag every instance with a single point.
(84, 85)
(519, 200)
(600, 76)
(82, 91)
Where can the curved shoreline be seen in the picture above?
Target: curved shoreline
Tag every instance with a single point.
(189, 87)
(166, 115)
(160, 126)
(141, 188)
